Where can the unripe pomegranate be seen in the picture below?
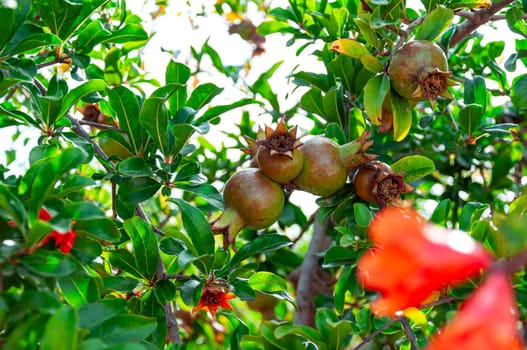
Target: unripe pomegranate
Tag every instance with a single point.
(278, 154)
(375, 182)
(327, 164)
(418, 71)
(251, 200)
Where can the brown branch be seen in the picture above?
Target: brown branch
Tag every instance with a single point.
(308, 285)
(476, 19)
(409, 333)
(100, 126)
(168, 308)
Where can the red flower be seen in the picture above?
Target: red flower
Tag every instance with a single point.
(64, 241)
(213, 297)
(486, 321)
(412, 259)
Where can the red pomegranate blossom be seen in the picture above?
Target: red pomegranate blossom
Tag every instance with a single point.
(486, 321)
(64, 240)
(213, 297)
(411, 260)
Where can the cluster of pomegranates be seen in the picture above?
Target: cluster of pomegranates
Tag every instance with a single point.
(254, 196)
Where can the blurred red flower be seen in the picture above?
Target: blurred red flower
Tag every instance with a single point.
(411, 259)
(487, 320)
(64, 240)
(213, 297)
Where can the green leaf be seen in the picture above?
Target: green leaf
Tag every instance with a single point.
(470, 117)
(46, 174)
(124, 328)
(440, 214)
(374, 93)
(302, 331)
(64, 17)
(435, 24)
(515, 21)
(372, 64)
(332, 103)
(267, 282)
(260, 245)
(312, 102)
(367, 32)
(12, 205)
(49, 263)
(124, 102)
(134, 166)
(177, 73)
(78, 290)
(349, 47)
(343, 68)
(202, 95)
(341, 287)
(206, 191)
(100, 228)
(145, 245)
(34, 41)
(93, 314)
(73, 96)
(475, 92)
(519, 92)
(197, 227)
(414, 167)
(402, 117)
(362, 214)
(471, 213)
(124, 260)
(154, 119)
(7, 24)
(218, 110)
(164, 291)
(61, 330)
(337, 256)
(138, 189)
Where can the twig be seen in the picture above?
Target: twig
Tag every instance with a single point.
(514, 263)
(304, 228)
(403, 35)
(168, 308)
(101, 126)
(305, 287)
(174, 276)
(372, 335)
(476, 19)
(77, 128)
(409, 333)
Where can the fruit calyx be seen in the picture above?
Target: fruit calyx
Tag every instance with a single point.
(375, 182)
(419, 71)
(280, 141)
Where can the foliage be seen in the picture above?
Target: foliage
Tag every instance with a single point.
(123, 164)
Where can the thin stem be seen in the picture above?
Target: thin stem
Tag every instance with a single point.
(409, 333)
(168, 307)
(100, 126)
(372, 335)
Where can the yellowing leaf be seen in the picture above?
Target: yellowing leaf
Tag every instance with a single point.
(415, 315)
(349, 47)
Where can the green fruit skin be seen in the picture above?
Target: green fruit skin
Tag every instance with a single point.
(257, 199)
(322, 172)
(280, 168)
(410, 62)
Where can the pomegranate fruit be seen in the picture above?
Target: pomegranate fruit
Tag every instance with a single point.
(418, 72)
(327, 164)
(251, 200)
(278, 153)
(375, 182)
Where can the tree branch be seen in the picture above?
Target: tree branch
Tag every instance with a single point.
(409, 333)
(308, 285)
(168, 308)
(476, 19)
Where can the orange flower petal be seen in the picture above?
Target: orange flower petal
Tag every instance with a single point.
(487, 320)
(411, 260)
